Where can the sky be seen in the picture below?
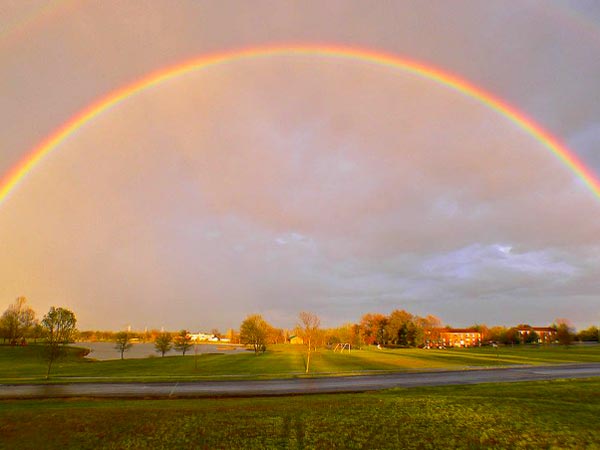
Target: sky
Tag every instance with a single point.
(294, 182)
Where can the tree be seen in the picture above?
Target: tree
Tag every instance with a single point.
(531, 337)
(17, 320)
(37, 331)
(432, 326)
(183, 342)
(275, 336)
(591, 334)
(163, 343)
(232, 335)
(4, 328)
(59, 329)
(415, 335)
(355, 337)
(254, 331)
(484, 330)
(308, 330)
(123, 342)
(372, 327)
(512, 336)
(564, 332)
(398, 327)
(498, 334)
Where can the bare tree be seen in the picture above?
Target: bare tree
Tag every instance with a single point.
(59, 329)
(123, 342)
(308, 330)
(17, 320)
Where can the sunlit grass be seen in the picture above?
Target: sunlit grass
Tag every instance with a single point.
(25, 364)
(556, 414)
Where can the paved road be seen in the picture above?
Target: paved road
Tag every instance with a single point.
(298, 386)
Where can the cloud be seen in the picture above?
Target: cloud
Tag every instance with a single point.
(586, 143)
(476, 260)
(293, 182)
(291, 238)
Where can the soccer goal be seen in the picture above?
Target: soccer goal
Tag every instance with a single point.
(341, 347)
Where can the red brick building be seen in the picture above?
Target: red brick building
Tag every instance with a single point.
(453, 337)
(546, 335)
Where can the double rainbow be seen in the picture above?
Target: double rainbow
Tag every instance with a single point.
(18, 173)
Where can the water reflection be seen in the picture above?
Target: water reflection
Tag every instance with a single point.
(106, 350)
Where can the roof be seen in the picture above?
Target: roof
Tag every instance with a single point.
(459, 330)
(536, 328)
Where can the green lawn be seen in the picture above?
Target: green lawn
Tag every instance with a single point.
(556, 414)
(25, 364)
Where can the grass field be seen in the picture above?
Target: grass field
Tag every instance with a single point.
(25, 364)
(556, 414)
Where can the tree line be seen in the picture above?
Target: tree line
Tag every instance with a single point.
(57, 328)
(18, 324)
(397, 329)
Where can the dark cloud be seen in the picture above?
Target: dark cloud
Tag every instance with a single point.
(289, 183)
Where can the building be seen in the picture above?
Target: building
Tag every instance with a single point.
(200, 337)
(296, 340)
(458, 337)
(546, 335)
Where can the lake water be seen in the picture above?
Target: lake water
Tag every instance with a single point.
(106, 350)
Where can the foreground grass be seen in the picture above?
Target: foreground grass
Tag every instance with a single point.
(556, 414)
(25, 364)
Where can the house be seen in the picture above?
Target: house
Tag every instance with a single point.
(546, 335)
(296, 340)
(199, 337)
(458, 337)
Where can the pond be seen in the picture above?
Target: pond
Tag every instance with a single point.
(106, 350)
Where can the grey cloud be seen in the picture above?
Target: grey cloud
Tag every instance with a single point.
(473, 261)
(297, 182)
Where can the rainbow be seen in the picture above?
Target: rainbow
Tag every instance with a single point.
(12, 178)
